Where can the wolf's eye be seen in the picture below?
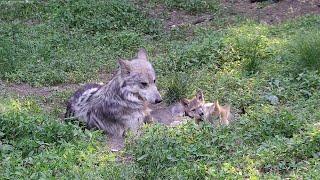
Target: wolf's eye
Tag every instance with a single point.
(154, 81)
(144, 84)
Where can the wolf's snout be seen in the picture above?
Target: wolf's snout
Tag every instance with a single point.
(201, 114)
(158, 98)
(158, 101)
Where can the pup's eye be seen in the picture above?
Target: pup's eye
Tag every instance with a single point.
(154, 81)
(144, 84)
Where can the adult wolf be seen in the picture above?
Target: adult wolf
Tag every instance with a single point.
(121, 104)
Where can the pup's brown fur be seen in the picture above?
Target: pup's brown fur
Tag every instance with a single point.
(211, 112)
(214, 110)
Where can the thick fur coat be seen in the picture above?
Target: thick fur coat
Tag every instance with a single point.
(121, 104)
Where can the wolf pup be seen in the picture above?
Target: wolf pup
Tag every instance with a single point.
(212, 111)
(121, 104)
(167, 115)
(194, 107)
(172, 115)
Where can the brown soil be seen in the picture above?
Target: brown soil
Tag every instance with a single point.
(24, 90)
(175, 18)
(180, 18)
(272, 13)
(266, 12)
(48, 99)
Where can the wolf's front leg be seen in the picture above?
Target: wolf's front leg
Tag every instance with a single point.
(135, 124)
(115, 143)
(115, 135)
(148, 119)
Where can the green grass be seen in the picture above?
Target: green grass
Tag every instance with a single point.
(306, 49)
(176, 87)
(249, 148)
(54, 42)
(59, 42)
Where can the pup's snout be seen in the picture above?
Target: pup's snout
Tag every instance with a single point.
(201, 114)
(158, 101)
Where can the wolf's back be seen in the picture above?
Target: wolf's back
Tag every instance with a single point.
(76, 97)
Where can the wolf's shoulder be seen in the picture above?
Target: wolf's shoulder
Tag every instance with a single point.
(86, 87)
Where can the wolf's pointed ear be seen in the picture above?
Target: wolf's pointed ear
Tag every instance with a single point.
(185, 102)
(124, 67)
(142, 54)
(200, 95)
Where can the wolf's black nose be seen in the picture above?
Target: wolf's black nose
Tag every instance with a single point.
(201, 114)
(158, 101)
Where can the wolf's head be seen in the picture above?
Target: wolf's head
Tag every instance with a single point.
(194, 106)
(139, 79)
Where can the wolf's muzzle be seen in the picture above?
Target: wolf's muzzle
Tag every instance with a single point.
(158, 101)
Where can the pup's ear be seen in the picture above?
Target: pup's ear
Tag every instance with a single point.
(185, 102)
(124, 67)
(142, 54)
(216, 106)
(200, 95)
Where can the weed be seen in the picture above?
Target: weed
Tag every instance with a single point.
(176, 88)
(306, 49)
(248, 43)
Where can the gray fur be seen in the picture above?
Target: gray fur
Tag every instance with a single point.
(167, 115)
(172, 115)
(121, 104)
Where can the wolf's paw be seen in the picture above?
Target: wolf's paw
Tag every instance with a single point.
(115, 144)
(176, 123)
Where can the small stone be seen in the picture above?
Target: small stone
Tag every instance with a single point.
(274, 100)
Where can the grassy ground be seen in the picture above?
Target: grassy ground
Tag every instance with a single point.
(269, 73)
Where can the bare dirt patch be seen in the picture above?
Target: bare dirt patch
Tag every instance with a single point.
(273, 13)
(175, 18)
(178, 18)
(263, 12)
(27, 90)
(45, 96)
(49, 98)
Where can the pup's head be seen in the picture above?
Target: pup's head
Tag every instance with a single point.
(194, 107)
(139, 79)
